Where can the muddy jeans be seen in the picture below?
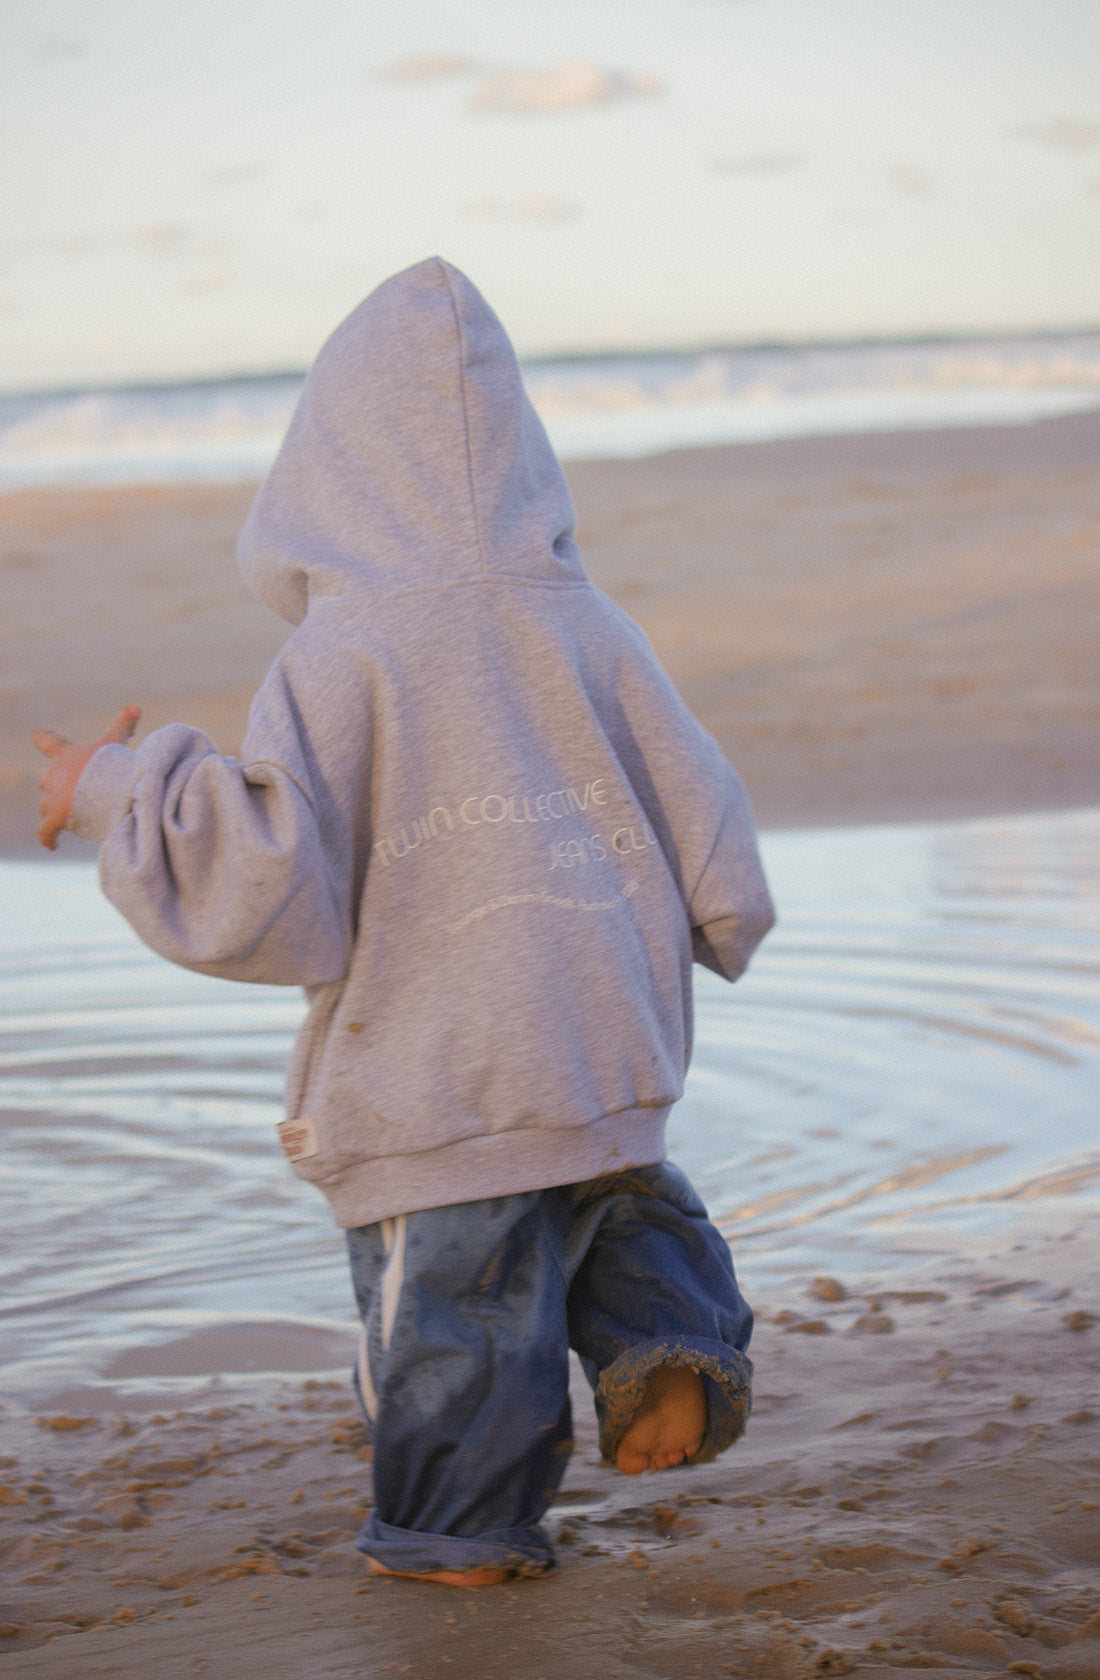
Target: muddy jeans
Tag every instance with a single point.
(468, 1315)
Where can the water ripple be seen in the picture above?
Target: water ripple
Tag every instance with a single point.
(909, 1067)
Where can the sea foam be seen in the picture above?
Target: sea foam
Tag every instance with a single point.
(594, 407)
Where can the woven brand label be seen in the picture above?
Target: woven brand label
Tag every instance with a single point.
(298, 1138)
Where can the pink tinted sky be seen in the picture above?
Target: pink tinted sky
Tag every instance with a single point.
(212, 184)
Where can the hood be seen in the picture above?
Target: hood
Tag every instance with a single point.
(414, 458)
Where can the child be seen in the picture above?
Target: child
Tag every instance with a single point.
(475, 821)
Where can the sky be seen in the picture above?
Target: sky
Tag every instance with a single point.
(194, 187)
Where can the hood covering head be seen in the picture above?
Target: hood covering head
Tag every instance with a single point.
(414, 458)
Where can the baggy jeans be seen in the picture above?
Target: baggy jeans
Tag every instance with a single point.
(468, 1314)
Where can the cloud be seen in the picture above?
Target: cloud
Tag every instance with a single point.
(757, 163)
(162, 239)
(574, 85)
(232, 174)
(214, 279)
(431, 67)
(530, 207)
(1064, 134)
(914, 183)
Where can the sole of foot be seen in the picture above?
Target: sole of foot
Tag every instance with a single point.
(445, 1577)
(668, 1426)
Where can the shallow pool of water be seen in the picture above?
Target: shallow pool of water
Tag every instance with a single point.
(909, 1069)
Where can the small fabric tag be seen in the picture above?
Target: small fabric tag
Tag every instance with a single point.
(298, 1138)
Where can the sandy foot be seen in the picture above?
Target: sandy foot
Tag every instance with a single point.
(668, 1426)
(445, 1577)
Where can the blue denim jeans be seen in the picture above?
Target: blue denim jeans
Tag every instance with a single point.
(468, 1314)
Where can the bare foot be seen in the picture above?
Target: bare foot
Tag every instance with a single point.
(488, 1577)
(668, 1426)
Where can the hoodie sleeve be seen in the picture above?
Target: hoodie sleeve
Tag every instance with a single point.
(241, 870)
(700, 811)
(730, 906)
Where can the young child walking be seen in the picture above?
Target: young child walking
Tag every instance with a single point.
(475, 821)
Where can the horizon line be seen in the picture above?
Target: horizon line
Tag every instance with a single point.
(558, 358)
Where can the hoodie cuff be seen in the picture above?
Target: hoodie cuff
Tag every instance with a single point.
(102, 796)
(720, 946)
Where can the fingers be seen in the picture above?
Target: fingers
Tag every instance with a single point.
(122, 728)
(67, 761)
(118, 733)
(49, 828)
(47, 742)
(52, 824)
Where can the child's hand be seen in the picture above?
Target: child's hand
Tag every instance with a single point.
(66, 765)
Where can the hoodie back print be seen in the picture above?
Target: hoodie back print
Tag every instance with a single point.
(473, 818)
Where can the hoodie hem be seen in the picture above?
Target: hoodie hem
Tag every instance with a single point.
(497, 1164)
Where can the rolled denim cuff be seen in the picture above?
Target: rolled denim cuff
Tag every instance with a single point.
(727, 1379)
(522, 1551)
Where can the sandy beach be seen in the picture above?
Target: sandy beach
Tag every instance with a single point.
(893, 627)
(917, 1492)
(882, 628)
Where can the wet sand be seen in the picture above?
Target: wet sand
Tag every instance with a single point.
(917, 1491)
(875, 628)
(885, 628)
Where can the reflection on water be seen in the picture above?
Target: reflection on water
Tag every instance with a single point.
(910, 1067)
(915, 1050)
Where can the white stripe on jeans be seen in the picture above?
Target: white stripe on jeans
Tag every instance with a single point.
(366, 1381)
(393, 1277)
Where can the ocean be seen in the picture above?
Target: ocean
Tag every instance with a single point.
(227, 430)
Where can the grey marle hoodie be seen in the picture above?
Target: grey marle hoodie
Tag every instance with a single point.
(472, 818)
